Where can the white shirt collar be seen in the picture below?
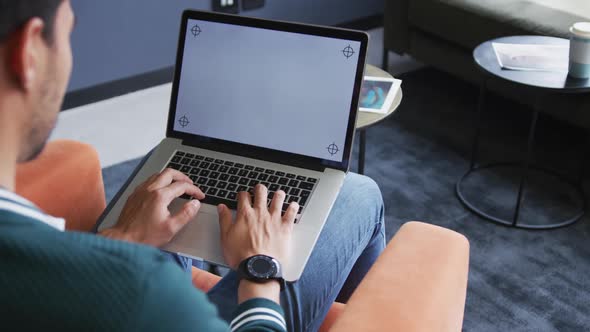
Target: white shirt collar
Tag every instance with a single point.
(12, 202)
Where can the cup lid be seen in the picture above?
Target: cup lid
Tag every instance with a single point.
(581, 29)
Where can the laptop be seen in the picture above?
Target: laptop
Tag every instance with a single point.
(257, 101)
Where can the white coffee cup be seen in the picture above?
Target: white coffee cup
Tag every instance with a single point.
(579, 66)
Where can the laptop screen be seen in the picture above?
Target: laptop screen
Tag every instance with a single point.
(279, 90)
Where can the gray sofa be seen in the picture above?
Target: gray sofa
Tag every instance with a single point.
(443, 33)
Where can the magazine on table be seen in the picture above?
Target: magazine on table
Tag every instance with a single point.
(378, 93)
(529, 57)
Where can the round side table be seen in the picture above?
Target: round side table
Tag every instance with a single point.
(366, 119)
(540, 82)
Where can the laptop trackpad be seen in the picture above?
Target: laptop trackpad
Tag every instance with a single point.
(200, 237)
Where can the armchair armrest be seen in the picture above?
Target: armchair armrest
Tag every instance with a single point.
(65, 181)
(419, 283)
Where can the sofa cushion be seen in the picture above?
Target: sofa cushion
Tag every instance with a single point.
(470, 22)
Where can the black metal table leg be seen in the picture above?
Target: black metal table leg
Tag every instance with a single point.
(385, 63)
(584, 163)
(362, 146)
(480, 108)
(525, 166)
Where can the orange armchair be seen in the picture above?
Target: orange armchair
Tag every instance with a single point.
(419, 283)
(65, 181)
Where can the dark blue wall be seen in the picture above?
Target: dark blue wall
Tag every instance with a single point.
(116, 39)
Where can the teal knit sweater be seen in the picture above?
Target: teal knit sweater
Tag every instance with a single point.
(66, 281)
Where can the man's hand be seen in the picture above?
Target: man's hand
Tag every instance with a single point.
(146, 218)
(257, 230)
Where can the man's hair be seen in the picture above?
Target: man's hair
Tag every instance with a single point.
(16, 13)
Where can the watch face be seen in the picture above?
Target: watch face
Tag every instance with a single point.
(262, 267)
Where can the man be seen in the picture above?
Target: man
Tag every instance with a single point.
(119, 280)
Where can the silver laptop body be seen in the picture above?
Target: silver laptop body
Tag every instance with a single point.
(266, 102)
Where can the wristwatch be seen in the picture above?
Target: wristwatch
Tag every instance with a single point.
(260, 269)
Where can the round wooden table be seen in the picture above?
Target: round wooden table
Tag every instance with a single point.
(366, 119)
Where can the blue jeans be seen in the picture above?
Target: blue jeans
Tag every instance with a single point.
(351, 241)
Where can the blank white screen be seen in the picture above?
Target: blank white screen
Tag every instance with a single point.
(273, 89)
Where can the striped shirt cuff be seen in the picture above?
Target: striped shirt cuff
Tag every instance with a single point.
(259, 314)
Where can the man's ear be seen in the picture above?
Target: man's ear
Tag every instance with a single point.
(25, 51)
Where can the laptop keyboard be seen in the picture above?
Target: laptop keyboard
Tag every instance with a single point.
(221, 180)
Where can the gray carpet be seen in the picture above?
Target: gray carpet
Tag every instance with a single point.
(519, 280)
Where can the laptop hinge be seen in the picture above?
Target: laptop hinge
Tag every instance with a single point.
(276, 157)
